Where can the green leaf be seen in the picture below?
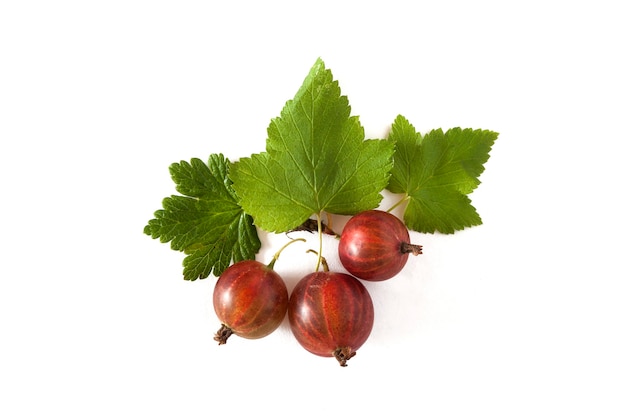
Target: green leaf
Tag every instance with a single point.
(316, 160)
(206, 222)
(436, 172)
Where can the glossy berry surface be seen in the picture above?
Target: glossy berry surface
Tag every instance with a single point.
(331, 314)
(250, 299)
(375, 245)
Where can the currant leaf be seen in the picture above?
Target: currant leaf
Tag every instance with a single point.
(436, 171)
(205, 222)
(316, 160)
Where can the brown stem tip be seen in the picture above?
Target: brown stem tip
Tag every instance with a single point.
(342, 355)
(310, 226)
(223, 334)
(409, 248)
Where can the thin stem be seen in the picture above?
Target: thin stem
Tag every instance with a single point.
(324, 263)
(329, 221)
(319, 232)
(402, 200)
(277, 254)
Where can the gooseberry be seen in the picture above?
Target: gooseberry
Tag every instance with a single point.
(331, 314)
(375, 245)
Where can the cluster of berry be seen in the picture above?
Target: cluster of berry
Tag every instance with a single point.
(330, 313)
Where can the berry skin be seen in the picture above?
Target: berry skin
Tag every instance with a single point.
(250, 299)
(375, 245)
(331, 314)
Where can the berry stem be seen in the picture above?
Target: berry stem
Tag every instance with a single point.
(410, 248)
(319, 232)
(323, 260)
(343, 354)
(223, 334)
(277, 254)
(329, 223)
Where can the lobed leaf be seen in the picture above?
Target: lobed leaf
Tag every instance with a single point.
(436, 172)
(206, 222)
(316, 159)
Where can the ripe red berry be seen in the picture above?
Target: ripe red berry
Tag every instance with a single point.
(375, 245)
(331, 314)
(250, 299)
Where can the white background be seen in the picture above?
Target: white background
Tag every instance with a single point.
(523, 315)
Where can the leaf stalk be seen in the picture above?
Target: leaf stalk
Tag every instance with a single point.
(398, 203)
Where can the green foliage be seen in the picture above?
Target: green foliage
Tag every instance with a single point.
(206, 222)
(316, 161)
(436, 172)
